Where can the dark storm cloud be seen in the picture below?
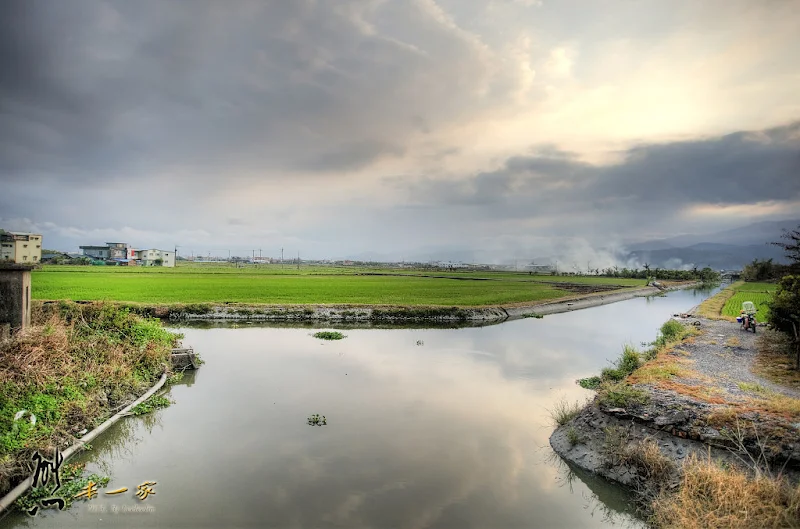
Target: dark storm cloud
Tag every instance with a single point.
(740, 168)
(92, 88)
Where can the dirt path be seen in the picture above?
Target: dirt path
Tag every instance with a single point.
(724, 353)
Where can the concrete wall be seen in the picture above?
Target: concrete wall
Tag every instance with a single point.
(15, 296)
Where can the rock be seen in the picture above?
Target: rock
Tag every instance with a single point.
(670, 419)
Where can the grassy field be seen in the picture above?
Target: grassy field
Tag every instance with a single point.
(728, 302)
(758, 293)
(310, 285)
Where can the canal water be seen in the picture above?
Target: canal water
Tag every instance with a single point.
(426, 428)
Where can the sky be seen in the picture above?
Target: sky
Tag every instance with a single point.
(407, 129)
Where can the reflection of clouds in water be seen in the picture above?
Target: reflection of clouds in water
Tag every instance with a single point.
(437, 430)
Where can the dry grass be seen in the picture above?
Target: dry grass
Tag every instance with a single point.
(733, 341)
(709, 394)
(777, 404)
(662, 367)
(71, 368)
(712, 307)
(711, 497)
(724, 417)
(650, 463)
(773, 361)
(766, 402)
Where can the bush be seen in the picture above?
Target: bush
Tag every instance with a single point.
(624, 365)
(784, 312)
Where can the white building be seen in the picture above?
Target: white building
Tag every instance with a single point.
(24, 248)
(154, 257)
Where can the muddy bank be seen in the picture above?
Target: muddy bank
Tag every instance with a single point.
(386, 314)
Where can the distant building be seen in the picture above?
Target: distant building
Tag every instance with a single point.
(23, 248)
(53, 256)
(154, 257)
(111, 250)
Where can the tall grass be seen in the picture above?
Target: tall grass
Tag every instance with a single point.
(713, 497)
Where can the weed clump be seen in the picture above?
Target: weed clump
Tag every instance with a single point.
(573, 437)
(564, 411)
(626, 364)
(73, 481)
(621, 395)
(153, 403)
(316, 420)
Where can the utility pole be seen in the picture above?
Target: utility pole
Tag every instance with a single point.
(298, 260)
(281, 257)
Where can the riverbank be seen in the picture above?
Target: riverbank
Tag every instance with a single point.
(74, 367)
(386, 314)
(694, 408)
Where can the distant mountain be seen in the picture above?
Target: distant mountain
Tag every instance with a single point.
(749, 235)
(717, 256)
(731, 248)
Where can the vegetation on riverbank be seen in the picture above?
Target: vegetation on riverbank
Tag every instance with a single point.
(671, 333)
(71, 369)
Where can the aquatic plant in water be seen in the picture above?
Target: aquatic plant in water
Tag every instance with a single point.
(329, 335)
(316, 420)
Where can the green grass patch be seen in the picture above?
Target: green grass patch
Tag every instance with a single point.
(622, 395)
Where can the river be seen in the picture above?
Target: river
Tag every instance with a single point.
(425, 428)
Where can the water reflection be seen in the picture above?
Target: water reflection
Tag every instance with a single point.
(451, 433)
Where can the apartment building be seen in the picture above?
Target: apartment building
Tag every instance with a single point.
(23, 248)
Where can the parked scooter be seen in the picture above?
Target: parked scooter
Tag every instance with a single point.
(747, 317)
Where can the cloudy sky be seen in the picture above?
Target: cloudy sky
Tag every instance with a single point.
(400, 127)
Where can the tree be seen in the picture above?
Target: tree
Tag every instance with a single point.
(158, 262)
(784, 311)
(791, 247)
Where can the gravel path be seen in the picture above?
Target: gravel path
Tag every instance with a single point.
(724, 352)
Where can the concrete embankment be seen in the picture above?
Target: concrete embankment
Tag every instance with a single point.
(387, 314)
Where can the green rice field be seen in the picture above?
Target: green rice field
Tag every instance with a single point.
(272, 284)
(758, 293)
